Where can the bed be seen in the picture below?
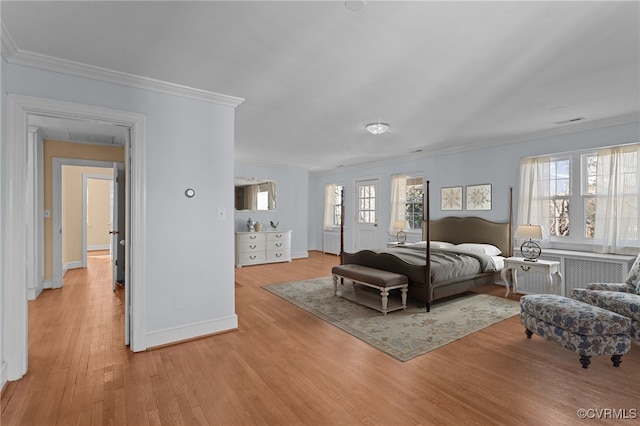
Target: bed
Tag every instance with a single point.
(457, 259)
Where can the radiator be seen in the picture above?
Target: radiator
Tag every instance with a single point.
(578, 269)
(331, 242)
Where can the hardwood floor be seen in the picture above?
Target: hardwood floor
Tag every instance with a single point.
(284, 366)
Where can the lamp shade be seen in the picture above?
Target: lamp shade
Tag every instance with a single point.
(531, 232)
(400, 225)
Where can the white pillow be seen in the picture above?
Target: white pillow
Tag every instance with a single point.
(419, 244)
(441, 245)
(487, 249)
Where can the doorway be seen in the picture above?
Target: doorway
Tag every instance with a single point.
(70, 218)
(367, 214)
(22, 167)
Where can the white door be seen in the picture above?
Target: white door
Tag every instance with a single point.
(366, 215)
(118, 225)
(118, 240)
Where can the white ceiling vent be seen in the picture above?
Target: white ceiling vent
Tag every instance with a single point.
(571, 120)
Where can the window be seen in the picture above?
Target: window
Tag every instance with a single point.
(263, 200)
(560, 196)
(367, 203)
(597, 192)
(414, 200)
(406, 202)
(332, 206)
(617, 222)
(589, 167)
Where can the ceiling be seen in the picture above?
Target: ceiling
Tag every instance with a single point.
(446, 76)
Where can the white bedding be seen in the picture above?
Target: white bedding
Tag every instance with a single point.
(499, 261)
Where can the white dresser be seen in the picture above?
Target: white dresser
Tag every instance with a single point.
(254, 248)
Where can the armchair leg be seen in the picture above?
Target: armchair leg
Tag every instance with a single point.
(616, 359)
(585, 361)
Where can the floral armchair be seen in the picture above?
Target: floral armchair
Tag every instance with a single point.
(630, 285)
(621, 298)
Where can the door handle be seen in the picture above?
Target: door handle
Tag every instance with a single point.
(113, 232)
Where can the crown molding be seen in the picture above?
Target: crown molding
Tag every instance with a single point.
(13, 55)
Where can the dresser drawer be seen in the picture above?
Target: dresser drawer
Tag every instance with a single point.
(278, 255)
(251, 246)
(251, 237)
(278, 244)
(251, 258)
(279, 236)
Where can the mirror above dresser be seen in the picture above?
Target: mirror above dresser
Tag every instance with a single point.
(255, 194)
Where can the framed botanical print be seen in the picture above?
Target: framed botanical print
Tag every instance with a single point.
(451, 198)
(479, 197)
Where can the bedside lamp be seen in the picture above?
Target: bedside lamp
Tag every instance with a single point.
(400, 226)
(530, 250)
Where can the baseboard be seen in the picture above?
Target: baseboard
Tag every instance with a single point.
(301, 255)
(47, 284)
(167, 336)
(3, 377)
(34, 292)
(98, 247)
(72, 265)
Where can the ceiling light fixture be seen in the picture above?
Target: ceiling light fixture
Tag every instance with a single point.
(377, 128)
(354, 5)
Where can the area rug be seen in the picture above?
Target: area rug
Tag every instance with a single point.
(402, 334)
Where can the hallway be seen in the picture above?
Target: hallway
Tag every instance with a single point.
(76, 348)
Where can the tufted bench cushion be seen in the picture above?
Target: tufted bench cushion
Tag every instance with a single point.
(373, 276)
(582, 328)
(384, 281)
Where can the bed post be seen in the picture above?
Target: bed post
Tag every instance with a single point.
(426, 221)
(511, 221)
(342, 226)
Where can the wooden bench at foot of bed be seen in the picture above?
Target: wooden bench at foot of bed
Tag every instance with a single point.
(384, 281)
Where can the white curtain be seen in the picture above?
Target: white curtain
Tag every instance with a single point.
(398, 201)
(617, 200)
(271, 188)
(329, 206)
(251, 197)
(533, 201)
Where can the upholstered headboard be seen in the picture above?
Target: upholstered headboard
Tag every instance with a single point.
(459, 230)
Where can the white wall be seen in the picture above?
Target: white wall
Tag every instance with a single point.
(189, 260)
(291, 203)
(3, 364)
(498, 166)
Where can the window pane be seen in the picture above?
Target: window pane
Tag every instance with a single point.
(262, 201)
(413, 205)
(562, 187)
(590, 173)
(563, 168)
(591, 185)
(559, 177)
(590, 216)
(559, 217)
